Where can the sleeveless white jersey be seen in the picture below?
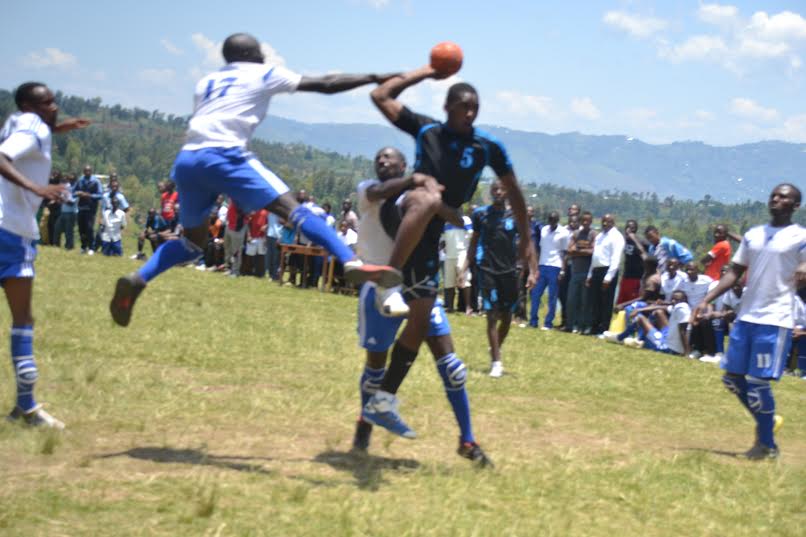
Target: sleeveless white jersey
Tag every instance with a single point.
(374, 245)
(230, 103)
(771, 255)
(26, 140)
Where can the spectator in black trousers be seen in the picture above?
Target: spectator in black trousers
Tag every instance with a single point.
(89, 192)
(603, 274)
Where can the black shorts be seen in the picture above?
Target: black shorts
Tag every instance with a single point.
(499, 292)
(421, 271)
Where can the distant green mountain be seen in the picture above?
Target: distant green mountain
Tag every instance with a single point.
(616, 163)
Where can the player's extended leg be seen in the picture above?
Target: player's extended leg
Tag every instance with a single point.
(418, 208)
(382, 407)
(454, 377)
(19, 292)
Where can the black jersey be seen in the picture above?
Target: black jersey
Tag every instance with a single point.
(454, 160)
(497, 250)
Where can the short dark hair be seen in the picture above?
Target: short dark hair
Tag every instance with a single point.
(456, 91)
(798, 196)
(240, 47)
(586, 213)
(650, 228)
(25, 93)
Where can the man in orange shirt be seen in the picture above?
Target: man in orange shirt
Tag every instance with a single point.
(719, 254)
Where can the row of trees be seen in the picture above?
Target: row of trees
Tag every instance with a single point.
(141, 145)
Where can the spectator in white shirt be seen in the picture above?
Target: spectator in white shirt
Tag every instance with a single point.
(696, 285)
(554, 240)
(347, 235)
(114, 220)
(671, 278)
(457, 240)
(603, 274)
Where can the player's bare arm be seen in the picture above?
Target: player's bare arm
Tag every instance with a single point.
(450, 215)
(800, 276)
(526, 250)
(48, 192)
(385, 95)
(71, 124)
(330, 84)
(727, 282)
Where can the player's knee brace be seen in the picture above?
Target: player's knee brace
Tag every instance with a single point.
(26, 373)
(453, 372)
(732, 383)
(759, 396)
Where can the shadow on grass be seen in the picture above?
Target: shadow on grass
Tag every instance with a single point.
(367, 469)
(192, 456)
(732, 454)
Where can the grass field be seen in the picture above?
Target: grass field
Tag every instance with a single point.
(227, 408)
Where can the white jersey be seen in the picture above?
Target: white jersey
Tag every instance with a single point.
(374, 245)
(25, 140)
(771, 255)
(727, 300)
(800, 312)
(114, 222)
(230, 103)
(678, 314)
(457, 239)
(669, 285)
(695, 290)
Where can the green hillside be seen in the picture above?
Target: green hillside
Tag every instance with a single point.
(227, 408)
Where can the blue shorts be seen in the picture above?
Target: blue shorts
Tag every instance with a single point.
(112, 248)
(758, 350)
(17, 256)
(657, 340)
(376, 333)
(202, 175)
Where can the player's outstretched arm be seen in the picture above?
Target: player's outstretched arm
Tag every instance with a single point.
(71, 124)
(385, 95)
(728, 281)
(338, 83)
(48, 192)
(526, 249)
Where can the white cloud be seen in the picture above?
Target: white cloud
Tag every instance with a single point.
(50, 57)
(635, 25)
(704, 115)
(170, 47)
(698, 47)
(584, 108)
(212, 52)
(756, 48)
(519, 103)
(157, 76)
(781, 26)
(718, 14)
(376, 4)
(749, 109)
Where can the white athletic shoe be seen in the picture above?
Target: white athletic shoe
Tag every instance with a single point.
(36, 417)
(695, 355)
(497, 369)
(90, 252)
(390, 302)
(633, 342)
(609, 336)
(710, 359)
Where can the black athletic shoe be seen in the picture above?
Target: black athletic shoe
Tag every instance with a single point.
(127, 290)
(363, 431)
(760, 452)
(473, 452)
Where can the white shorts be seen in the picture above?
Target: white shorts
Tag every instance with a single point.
(453, 267)
(256, 246)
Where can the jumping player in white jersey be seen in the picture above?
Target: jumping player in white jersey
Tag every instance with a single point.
(228, 105)
(774, 255)
(377, 332)
(25, 163)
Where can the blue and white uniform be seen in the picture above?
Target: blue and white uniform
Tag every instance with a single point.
(228, 106)
(376, 333)
(26, 141)
(762, 335)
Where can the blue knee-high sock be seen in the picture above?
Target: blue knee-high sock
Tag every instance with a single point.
(320, 233)
(168, 255)
(22, 357)
(454, 376)
(370, 383)
(762, 405)
(737, 385)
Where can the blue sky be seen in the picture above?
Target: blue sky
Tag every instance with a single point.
(660, 71)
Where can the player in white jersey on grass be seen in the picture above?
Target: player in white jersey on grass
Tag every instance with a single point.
(376, 332)
(25, 163)
(774, 256)
(228, 106)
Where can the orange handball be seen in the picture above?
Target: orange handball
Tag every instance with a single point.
(446, 58)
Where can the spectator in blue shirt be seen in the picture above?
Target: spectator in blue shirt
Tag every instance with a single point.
(665, 248)
(114, 191)
(89, 192)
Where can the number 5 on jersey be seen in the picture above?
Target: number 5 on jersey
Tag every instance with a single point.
(220, 86)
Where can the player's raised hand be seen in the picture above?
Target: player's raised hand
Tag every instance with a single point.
(52, 192)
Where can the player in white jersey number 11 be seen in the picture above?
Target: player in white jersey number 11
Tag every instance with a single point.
(228, 105)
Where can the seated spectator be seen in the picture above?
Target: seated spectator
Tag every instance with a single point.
(665, 248)
(154, 232)
(671, 279)
(114, 221)
(255, 253)
(660, 327)
(696, 285)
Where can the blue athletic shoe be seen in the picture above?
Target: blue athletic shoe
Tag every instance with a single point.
(381, 410)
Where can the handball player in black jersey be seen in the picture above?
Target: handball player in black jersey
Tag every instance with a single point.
(454, 153)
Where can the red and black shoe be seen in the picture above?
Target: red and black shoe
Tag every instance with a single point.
(127, 290)
(472, 451)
